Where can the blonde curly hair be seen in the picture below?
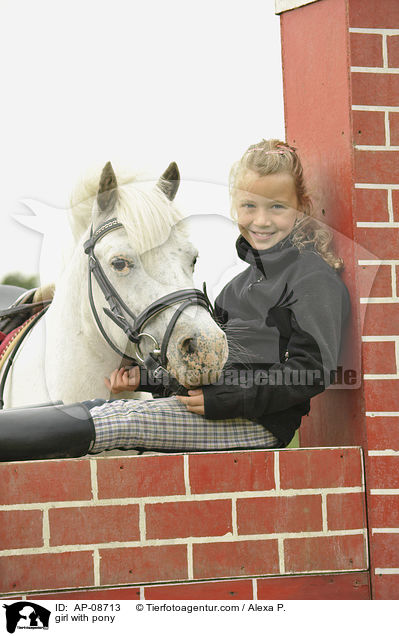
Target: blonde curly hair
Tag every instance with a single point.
(271, 156)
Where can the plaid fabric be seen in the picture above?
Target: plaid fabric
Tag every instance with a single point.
(165, 425)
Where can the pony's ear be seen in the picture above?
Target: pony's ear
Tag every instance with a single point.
(170, 181)
(107, 189)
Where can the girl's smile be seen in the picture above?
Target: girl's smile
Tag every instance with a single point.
(266, 208)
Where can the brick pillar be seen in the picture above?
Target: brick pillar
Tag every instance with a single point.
(341, 93)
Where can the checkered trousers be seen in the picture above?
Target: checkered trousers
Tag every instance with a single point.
(164, 424)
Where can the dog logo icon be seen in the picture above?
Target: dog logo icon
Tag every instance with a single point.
(26, 615)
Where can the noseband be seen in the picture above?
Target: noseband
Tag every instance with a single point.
(131, 324)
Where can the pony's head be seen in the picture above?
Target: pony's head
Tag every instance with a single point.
(147, 258)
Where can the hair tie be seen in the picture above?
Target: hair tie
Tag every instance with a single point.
(278, 150)
(286, 148)
(267, 152)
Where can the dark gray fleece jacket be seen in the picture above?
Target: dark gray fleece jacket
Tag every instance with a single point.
(283, 317)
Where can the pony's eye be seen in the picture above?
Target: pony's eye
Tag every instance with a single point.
(194, 261)
(121, 265)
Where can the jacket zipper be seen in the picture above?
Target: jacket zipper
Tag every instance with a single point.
(258, 280)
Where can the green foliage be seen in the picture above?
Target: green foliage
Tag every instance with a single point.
(20, 280)
(294, 443)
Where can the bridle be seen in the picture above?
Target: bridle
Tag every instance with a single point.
(131, 324)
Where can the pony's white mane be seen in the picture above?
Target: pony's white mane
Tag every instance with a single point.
(144, 211)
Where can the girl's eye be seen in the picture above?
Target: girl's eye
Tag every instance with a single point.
(121, 265)
(248, 205)
(278, 206)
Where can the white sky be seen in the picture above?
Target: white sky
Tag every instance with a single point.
(140, 84)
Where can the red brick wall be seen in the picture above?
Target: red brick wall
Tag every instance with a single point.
(132, 521)
(344, 117)
(374, 28)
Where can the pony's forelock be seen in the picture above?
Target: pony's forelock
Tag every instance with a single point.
(148, 217)
(146, 214)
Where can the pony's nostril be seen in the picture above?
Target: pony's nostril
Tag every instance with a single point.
(189, 345)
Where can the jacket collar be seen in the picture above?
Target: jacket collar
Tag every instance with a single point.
(270, 261)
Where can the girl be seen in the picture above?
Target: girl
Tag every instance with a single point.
(283, 317)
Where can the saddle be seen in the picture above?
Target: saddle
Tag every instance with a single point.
(17, 318)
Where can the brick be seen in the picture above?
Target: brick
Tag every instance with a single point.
(217, 591)
(379, 357)
(55, 480)
(383, 433)
(371, 205)
(328, 587)
(383, 471)
(383, 511)
(380, 320)
(393, 51)
(315, 554)
(46, 571)
(346, 511)
(100, 524)
(267, 515)
(320, 468)
(231, 472)
(381, 395)
(394, 132)
(21, 529)
(110, 594)
(143, 564)
(188, 519)
(368, 128)
(375, 89)
(148, 476)
(375, 281)
(386, 587)
(369, 14)
(382, 242)
(366, 49)
(238, 558)
(376, 166)
(385, 550)
(395, 203)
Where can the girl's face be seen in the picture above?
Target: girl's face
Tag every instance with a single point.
(266, 208)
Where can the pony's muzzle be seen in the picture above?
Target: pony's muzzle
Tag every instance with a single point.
(200, 358)
(202, 348)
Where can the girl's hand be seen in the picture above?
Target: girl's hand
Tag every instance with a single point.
(194, 402)
(123, 380)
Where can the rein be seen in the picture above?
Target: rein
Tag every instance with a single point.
(125, 319)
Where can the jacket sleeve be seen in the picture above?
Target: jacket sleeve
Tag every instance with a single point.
(317, 319)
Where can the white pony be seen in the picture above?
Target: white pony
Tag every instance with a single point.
(65, 357)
